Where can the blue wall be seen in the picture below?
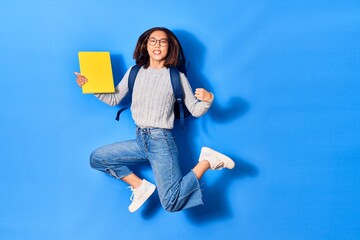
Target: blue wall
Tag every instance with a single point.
(286, 79)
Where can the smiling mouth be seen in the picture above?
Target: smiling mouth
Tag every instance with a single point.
(157, 52)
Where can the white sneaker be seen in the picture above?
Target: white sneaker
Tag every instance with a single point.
(140, 195)
(217, 160)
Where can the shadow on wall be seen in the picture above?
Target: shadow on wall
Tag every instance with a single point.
(216, 205)
(118, 67)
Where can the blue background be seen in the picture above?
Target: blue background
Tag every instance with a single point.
(286, 79)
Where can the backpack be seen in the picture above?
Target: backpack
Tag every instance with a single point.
(180, 110)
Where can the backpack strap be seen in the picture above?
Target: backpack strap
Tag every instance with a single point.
(178, 91)
(132, 75)
(131, 80)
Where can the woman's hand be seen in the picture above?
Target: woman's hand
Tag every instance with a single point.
(203, 95)
(80, 79)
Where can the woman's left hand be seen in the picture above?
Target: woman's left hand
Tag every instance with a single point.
(203, 95)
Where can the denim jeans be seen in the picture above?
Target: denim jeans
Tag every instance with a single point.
(158, 147)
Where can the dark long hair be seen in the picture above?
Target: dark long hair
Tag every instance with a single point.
(175, 56)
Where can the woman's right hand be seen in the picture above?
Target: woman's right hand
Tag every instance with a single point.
(80, 79)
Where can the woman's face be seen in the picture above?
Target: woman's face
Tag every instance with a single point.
(157, 47)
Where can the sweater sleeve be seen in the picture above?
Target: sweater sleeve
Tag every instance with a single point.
(196, 108)
(121, 90)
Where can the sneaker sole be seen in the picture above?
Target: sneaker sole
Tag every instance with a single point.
(228, 162)
(147, 195)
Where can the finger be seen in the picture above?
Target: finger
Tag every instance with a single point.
(198, 95)
(200, 90)
(82, 82)
(81, 78)
(200, 98)
(79, 75)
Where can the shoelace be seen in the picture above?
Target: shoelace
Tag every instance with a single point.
(219, 166)
(132, 193)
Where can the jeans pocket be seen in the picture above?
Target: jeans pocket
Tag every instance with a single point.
(160, 134)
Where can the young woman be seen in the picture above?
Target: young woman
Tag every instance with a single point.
(152, 110)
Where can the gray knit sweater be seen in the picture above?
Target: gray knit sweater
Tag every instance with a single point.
(153, 98)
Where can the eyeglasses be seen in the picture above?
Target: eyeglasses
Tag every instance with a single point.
(153, 41)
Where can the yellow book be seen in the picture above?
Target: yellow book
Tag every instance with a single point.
(96, 67)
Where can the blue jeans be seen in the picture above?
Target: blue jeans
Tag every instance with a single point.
(157, 146)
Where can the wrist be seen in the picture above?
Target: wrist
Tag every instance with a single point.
(211, 98)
